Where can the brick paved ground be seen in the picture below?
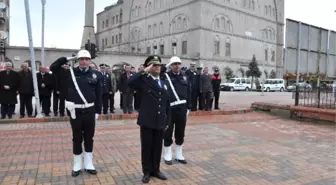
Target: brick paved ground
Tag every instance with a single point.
(253, 148)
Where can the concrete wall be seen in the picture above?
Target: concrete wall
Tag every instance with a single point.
(312, 39)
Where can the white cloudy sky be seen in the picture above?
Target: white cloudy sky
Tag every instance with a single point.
(65, 19)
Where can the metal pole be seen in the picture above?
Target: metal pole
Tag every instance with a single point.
(32, 58)
(298, 65)
(263, 82)
(42, 44)
(327, 63)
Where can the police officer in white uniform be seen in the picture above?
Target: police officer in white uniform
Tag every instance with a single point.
(83, 101)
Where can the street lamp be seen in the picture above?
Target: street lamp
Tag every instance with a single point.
(42, 44)
(32, 60)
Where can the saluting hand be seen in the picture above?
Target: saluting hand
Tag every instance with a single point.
(148, 68)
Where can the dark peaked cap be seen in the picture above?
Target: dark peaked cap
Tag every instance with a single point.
(102, 65)
(153, 59)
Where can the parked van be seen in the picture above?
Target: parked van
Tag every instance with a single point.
(274, 85)
(237, 84)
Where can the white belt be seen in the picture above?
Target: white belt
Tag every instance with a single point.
(72, 106)
(83, 106)
(178, 102)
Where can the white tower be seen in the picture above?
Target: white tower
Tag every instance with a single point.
(89, 32)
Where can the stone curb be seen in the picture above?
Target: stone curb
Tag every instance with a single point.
(122, 116)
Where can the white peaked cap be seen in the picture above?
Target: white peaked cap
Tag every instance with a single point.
(83, 54)
(173, 60)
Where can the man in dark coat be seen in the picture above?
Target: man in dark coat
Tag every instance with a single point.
(62, 89)
(206, 89)
(192, 75)
(137, 94)
(126, 91)
(199, 94)
(154, 115)
(9, 85)
(26, 90)
(45, 85)
(113, 88)
(216, 80)
(106, 87)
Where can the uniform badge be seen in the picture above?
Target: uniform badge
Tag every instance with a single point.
(94, 76)
(184, 78)
(165, 86)
(194, 73)
(106, 75)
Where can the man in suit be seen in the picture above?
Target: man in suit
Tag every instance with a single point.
(26, 91)
(106, 87)
(154, 115)
(45, 85)
(206, 89)
(126, 91)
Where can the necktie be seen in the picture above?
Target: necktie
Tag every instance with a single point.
(128, 75)
(158, 81)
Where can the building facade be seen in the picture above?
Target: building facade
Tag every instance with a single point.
(225, 33)
(4, 29)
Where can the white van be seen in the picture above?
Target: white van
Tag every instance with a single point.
(237, 84)
(274, 85)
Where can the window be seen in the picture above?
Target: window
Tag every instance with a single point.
(121, 17)
(148, 50)
(184, 47)
(217, 23)
(116, 38)
(154, 30)
(185, 23)
(161, 3)
(103, 24)
(106, 23)
(273, 56)
(237, 81)
(217, 47)
(149, 31)
(155, 50)
(248, 81)
(102, 43)
(106, 41)
(139, 49)
(174, 48)
(113, 19)
(269, 10)
(112, 39)
(133, 49)
(266, 55)
(161, 49)
(253, 5)
(161, 29)
(265, 9)
(243, 81)
(227, 49)
(149, 6)
(117, 19)
(179, 23)
(120, 37)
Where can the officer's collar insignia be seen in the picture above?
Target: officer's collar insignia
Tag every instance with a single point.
(94, 76)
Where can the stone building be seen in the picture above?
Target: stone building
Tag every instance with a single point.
(225, 33)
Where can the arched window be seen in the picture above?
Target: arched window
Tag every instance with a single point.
(154, 30)
(253, 4)
(217, 23)
(185, 25)
(149, 31)
(179, 23)
(161, 29)
(149, 7)
(223, 23)
(216, 46)
(184, 45)
(273, 12)
(228, 47)
(161, 3)
(265, 9)
(270, 9)
(174, 25)
(270, 34)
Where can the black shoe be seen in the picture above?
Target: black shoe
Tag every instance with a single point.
(112, 111)
(75, 173)
(159, 175)
(168, 162)
(21, 117)
(217, 108)
(181, 161)
(55, 114)
(92, 172)
(146, 178)
(62, 115)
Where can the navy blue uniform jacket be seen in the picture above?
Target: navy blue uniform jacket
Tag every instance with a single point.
(155, 106)
(88, 82)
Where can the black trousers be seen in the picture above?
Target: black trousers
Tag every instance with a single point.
(7, 110)
(178, 120)
(105, 106)
(46, 103)
(121, 100)
(83, 127)
(26, 104)
(216, 94)
(200, 102)
(58, 104)
(151, 149)
(137, 100)
(127, 102)
(194, 100)
(111, 97)
(206, 101)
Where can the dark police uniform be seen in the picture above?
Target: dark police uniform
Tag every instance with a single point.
(83, 126)
(106, 88)
(154, 115)
(199, 94)
(192, 76)
(216, 79)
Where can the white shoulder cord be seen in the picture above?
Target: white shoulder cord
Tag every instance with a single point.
(172, 87)
(76, 86)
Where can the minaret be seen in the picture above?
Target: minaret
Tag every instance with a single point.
(89, 31)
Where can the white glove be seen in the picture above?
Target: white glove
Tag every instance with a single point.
(70, 58)
(188, 111)
(97, 116)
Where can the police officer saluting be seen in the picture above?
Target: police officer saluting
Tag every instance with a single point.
(154, 115)
(180, 103)
(83, 101)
